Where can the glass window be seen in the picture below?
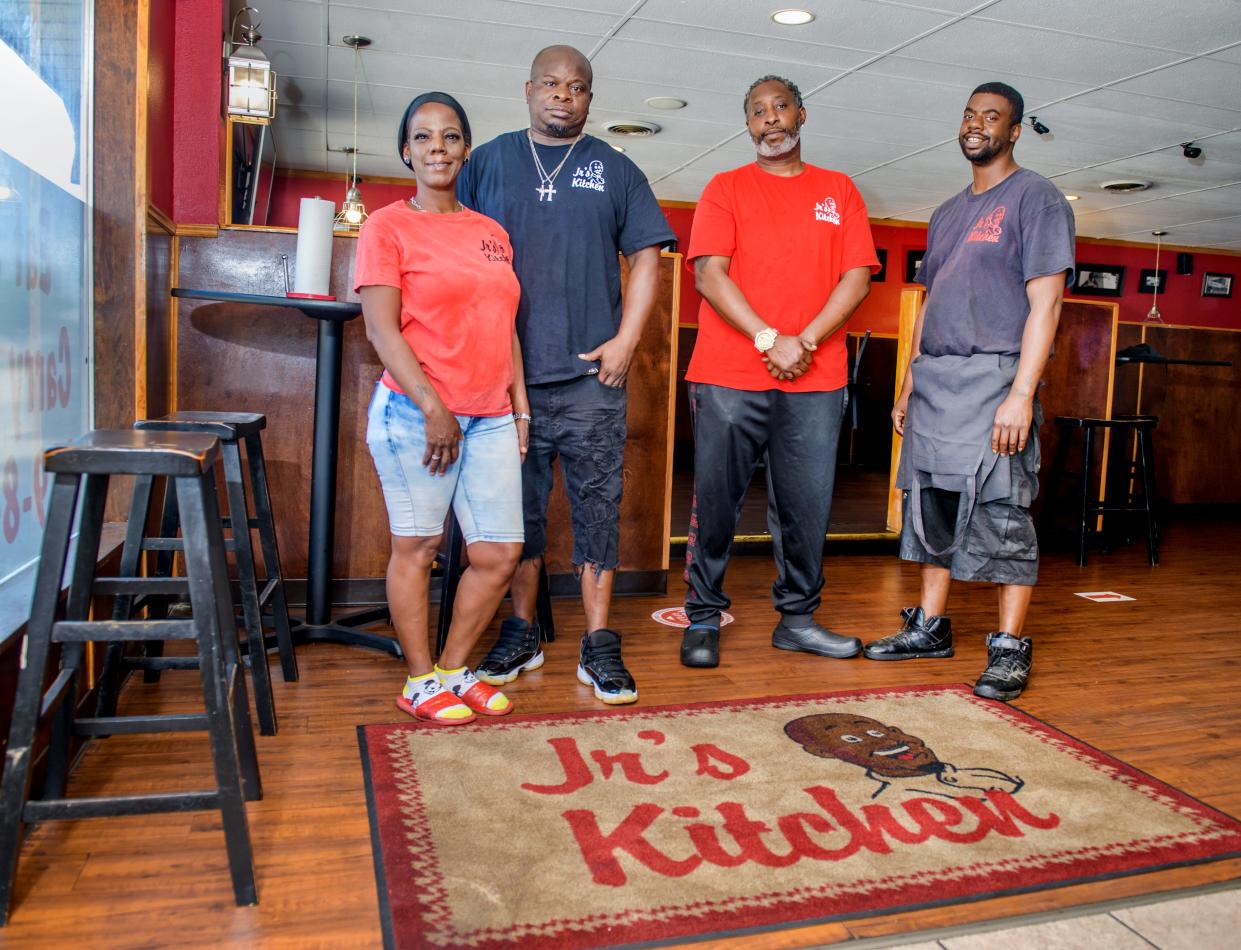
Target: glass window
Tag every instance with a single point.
(45, 268)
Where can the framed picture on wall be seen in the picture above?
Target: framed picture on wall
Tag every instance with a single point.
(913, 260)
(1217, 285)
(1099, 280)
(1153, 281)
(882, 274)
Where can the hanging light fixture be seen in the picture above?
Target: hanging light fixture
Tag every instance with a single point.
(1152, 315)
(251, 83)
(353, 211)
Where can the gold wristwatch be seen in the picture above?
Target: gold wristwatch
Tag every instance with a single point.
(765, 339)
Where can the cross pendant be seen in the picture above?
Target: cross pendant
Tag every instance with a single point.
(546, 191)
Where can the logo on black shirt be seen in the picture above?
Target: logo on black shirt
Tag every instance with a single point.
(590, 177)
(494, 251)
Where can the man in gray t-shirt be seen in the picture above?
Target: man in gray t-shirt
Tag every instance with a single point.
(998, 258)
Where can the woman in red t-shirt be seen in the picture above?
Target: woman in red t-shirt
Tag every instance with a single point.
(449, 422)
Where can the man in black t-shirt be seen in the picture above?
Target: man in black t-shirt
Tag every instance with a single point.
(570, 204)
(995, 269)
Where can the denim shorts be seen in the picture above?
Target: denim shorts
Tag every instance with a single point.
(584, 423)
(483, 486)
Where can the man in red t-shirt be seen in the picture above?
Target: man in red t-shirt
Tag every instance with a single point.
(782, 255)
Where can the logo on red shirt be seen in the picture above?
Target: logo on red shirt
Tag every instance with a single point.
(825, 210)
(494, 251)
(988, 227)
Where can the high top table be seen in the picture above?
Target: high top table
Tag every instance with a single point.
(332, 315)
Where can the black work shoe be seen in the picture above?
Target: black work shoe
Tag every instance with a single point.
(918, 637)
(600, 665)
(814, 639)
(516, 651)
(1008, 667)
(700, 646)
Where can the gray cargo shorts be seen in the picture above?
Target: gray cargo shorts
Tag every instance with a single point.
(1000, 544)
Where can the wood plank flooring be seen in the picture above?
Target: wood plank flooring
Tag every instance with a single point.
(1154, 681)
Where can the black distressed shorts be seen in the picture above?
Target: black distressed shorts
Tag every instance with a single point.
(584, 423)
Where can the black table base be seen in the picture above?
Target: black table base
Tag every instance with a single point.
(319, 625)
(344, 629)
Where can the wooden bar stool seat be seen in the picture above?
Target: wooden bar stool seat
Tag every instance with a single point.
(81, 473)
(1139, 491)
(256, 594)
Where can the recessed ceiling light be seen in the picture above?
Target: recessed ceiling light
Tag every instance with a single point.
(1072, 197)
(666, 102)
(792, 17)
(619, 148)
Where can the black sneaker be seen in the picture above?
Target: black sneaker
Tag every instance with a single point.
(917, 638)
(516, 651)
(600, 665)
(1008, 667)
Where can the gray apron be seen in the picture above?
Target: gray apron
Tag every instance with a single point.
(947, 441)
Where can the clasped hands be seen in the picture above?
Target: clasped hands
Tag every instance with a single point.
(789, 356)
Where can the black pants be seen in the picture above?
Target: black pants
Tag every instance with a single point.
(733, 428)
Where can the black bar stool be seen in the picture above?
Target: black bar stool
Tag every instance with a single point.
(1139, 475)
(82, 470)
(449, 562)
(232, 429)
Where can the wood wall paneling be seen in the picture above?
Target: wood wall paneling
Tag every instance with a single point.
(262, 359)
(1196, 456)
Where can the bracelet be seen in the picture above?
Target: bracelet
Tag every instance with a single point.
(519, 416)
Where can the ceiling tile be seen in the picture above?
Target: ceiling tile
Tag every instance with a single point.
(1004, 50)
(1194, 27)
(849, 24)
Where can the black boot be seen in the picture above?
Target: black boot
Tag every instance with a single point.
(1008, 667)
(918, 637)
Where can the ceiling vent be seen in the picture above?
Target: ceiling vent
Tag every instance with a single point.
(634, 128)
(1125, 186)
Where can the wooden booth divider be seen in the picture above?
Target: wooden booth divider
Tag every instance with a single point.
(1078, 380)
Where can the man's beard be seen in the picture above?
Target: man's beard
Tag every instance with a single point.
(989, 151)
(558, 130)
(778, 149)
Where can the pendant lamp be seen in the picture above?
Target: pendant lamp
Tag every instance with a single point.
(352, 210)
(1152, 315)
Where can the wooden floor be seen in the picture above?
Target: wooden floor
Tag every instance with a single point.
(1155, 682)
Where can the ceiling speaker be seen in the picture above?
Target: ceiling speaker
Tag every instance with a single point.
(1184, 263)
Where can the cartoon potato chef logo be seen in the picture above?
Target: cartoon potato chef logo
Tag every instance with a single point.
(892, 757)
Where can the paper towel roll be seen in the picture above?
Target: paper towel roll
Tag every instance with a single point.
(314, 246)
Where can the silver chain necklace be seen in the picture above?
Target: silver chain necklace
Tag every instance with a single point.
(547, 187)
(417, 207)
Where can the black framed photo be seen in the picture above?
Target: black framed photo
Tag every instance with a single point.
(882, 274)
(913, 260)
(1153, 281)
(1216, 285)
(1099, 280)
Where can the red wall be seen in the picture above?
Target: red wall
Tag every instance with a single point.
(1181, 303)
(287, 193)
(198, 126)
(161, 58)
